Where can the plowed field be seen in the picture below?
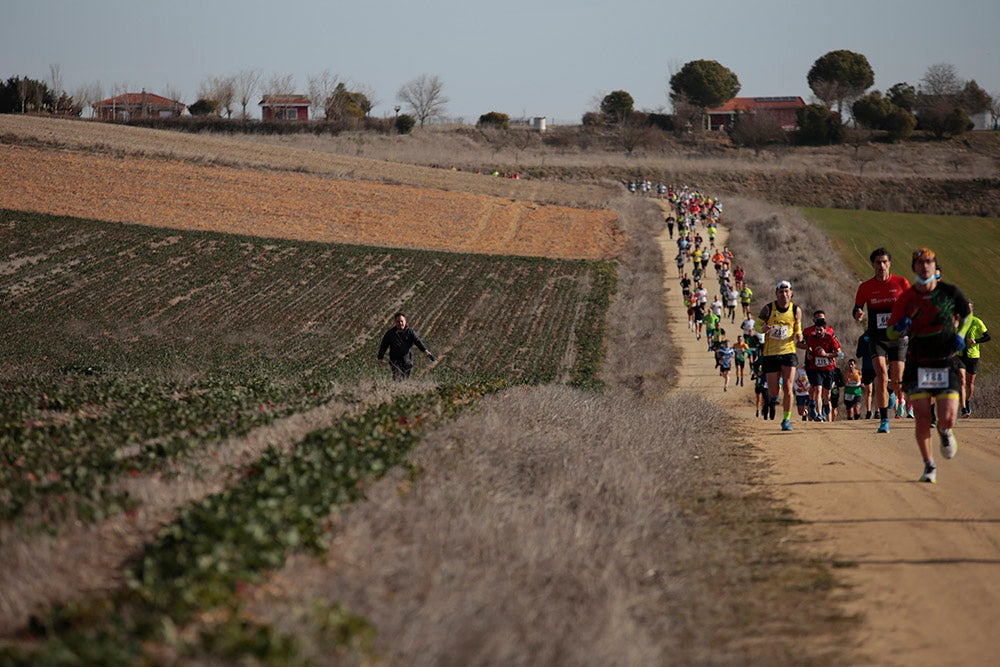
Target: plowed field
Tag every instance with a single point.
(290, 205)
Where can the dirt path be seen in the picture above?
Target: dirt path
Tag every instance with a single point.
(922, 560)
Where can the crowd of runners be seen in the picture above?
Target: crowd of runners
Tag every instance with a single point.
(917, 357)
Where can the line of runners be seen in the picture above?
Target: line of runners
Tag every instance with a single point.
(918, 356)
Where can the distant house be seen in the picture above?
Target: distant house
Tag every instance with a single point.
(285, 107)
(783, 109)
(137, 105)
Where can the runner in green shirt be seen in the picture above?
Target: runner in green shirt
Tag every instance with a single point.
(974, 337)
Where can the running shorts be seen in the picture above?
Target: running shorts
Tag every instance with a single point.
(773, 363)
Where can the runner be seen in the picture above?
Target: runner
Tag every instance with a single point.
(710, 321)
(724, 359)
(936, 317)
(852, 390)
(863, 353)
(762, 402)
(976, 335)
(740, 358)
(746, 296)
(879, 293)
(781, 323)
(822, 349)
(802, 390)
(838, 384)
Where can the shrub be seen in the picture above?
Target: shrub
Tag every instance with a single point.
(405, 123)
(494, 119)
(818, 125)
(899, 124)
(204, 107)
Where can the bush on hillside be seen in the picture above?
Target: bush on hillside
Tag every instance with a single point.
(405, 123)
(494, 119)
(819, 126)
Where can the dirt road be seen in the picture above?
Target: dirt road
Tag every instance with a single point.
(922, 560)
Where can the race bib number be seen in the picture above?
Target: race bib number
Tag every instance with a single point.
(779, 333)
(822, 362)
(882, 320)
(932, 378)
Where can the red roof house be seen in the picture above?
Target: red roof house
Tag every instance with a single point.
(782, 108)
(285, 107)
(137, 105)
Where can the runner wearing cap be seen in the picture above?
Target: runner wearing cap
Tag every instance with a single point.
(879, 293)
(936, 317)
(781, 323)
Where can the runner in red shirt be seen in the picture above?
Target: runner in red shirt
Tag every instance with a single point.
(822, 350)
(936, 317)
(879, 294)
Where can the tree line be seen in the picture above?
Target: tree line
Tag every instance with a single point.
(941, 104)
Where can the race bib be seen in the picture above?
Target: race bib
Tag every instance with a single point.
(882, 320)
(822, 362)
(932, 378)
(779, 333)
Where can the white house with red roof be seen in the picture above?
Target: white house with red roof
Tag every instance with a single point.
(285, 107)
(137, 105)
(783, 109)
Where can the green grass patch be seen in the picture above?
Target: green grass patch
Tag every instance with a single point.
(968, 249)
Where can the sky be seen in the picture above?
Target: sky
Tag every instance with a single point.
(552, 58)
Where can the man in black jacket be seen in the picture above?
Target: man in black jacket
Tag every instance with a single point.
(398, 341)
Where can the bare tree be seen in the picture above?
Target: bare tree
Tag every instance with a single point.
(174, 93)
(246, 83)
(88, 94)
(280, 84)
(522, 139)
(321, 89)
(941, 79)
(995, 109)
(424, 96)
(221, 90)
(56, 84)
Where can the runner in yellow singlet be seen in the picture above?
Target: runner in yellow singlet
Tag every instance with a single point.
(781, 323)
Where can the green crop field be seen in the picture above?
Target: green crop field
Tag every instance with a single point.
(124, 346)
(126, 350)
(968, 250)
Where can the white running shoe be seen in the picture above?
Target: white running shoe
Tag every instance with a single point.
(930, 474)
(949, 444)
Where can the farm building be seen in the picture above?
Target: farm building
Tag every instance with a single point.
(137, 105)
(285, 107)
(782, 108)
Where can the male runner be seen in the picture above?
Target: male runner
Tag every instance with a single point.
(936, 317)
(879, 293)
(781, 323)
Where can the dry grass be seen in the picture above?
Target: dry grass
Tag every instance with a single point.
(561, 528)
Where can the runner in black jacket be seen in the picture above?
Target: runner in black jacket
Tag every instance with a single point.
(399, 341)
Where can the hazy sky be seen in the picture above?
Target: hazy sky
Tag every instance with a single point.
(547, 58)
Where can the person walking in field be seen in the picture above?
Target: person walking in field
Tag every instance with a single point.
(936, 317)
(399, 341)
(879, 293)
(976, 335)
(781, 323)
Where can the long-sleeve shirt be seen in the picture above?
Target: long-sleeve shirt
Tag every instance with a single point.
(400, 344)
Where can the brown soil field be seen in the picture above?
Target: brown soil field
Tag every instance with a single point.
(171, 193)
